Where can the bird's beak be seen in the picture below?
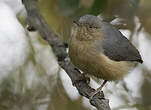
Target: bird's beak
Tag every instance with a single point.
(76, 22)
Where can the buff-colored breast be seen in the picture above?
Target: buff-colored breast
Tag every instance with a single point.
(95, 63)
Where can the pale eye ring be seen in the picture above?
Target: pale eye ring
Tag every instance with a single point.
(92, 27)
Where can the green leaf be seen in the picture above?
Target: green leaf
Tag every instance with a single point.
(68, 7)
(98, 6)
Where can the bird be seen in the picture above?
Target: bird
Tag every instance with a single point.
(98, 49)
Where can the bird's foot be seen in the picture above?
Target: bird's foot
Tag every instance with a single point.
(98, 89)
(81, 78)
(31, 28)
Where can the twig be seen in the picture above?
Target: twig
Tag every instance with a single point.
(37, 22)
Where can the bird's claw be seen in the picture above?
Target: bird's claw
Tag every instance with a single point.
(81, 78)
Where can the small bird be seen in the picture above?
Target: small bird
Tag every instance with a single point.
(99, 49)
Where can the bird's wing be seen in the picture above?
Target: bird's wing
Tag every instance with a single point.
(117, 47)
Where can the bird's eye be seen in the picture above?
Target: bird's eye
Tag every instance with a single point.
(90, 27)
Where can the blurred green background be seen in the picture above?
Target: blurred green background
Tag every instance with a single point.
(40, 84)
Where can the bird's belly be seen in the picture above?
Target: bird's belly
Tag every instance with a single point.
(114, 70)
(102, 67)
(97, 64)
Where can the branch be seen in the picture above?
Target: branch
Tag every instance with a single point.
(37, 22)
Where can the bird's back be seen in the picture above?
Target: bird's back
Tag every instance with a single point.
(116, 46)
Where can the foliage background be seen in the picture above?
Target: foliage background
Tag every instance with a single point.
(30, 76)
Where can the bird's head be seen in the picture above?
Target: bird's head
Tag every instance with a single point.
(87, 28)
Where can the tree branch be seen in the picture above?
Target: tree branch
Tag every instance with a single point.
(37, 22)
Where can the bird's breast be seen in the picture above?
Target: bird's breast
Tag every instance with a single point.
(96, 63)
(81, 55)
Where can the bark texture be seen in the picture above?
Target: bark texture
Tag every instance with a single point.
(37, 22)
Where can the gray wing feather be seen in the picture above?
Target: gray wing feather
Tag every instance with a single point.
(117, 47)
